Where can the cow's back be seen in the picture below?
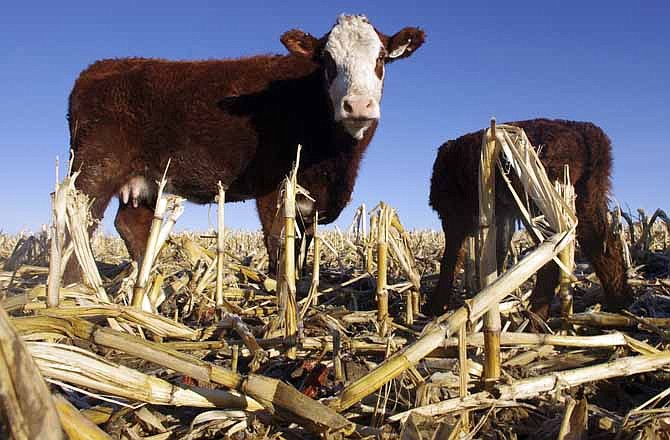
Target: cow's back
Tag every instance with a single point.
(135, 114)
(581, 145)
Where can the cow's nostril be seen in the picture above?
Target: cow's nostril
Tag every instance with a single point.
(369, 105)
(347, 107)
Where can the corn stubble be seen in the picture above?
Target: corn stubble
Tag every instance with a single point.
(198, 341)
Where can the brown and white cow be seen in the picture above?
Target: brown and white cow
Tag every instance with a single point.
(238, 121)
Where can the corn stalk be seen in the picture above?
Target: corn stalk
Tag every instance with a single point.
(567, 256)
(487, 255)
(382, 267)
(76, 425)
(286, 290)
(26, 407)
(76, 366)
(220, 245)
(445, 325)
(275, 396)
(507, 394)
(57, 232)
(158, 234)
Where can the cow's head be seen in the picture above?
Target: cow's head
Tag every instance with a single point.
(353, 55)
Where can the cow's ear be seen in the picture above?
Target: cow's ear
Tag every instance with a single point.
(404, 43)
(300, 43)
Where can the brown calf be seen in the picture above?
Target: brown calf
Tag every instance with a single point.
(235, 121)
(454, 195)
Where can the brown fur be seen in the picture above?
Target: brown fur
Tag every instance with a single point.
(235, 121)
(581, 145)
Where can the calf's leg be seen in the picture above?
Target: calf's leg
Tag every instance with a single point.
(133, 225)
(266, 205)
(272, 223)
(455, 230)
(101, 194)
(544, 290)
(504, 232)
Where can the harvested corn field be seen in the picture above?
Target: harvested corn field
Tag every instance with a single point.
(504, 288)
(187, 368)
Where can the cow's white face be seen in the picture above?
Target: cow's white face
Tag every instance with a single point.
(354, 68)
(353, 55)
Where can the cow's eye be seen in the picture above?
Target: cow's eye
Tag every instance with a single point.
(379, 67)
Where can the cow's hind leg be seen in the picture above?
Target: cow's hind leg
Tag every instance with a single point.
(504, 232)
(545, 289)
(547, 277)
(266, 206)
(307, 232)
(455, 231)
(273, 222)
(101, 194)
(133, 225)
(305, 212)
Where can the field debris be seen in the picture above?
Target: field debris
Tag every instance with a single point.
(200, 342)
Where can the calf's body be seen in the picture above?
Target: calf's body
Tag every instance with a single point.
(238, 122)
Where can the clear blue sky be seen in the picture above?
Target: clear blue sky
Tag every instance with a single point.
(607, 62)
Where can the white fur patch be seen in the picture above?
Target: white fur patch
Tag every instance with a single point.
(354, 46)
